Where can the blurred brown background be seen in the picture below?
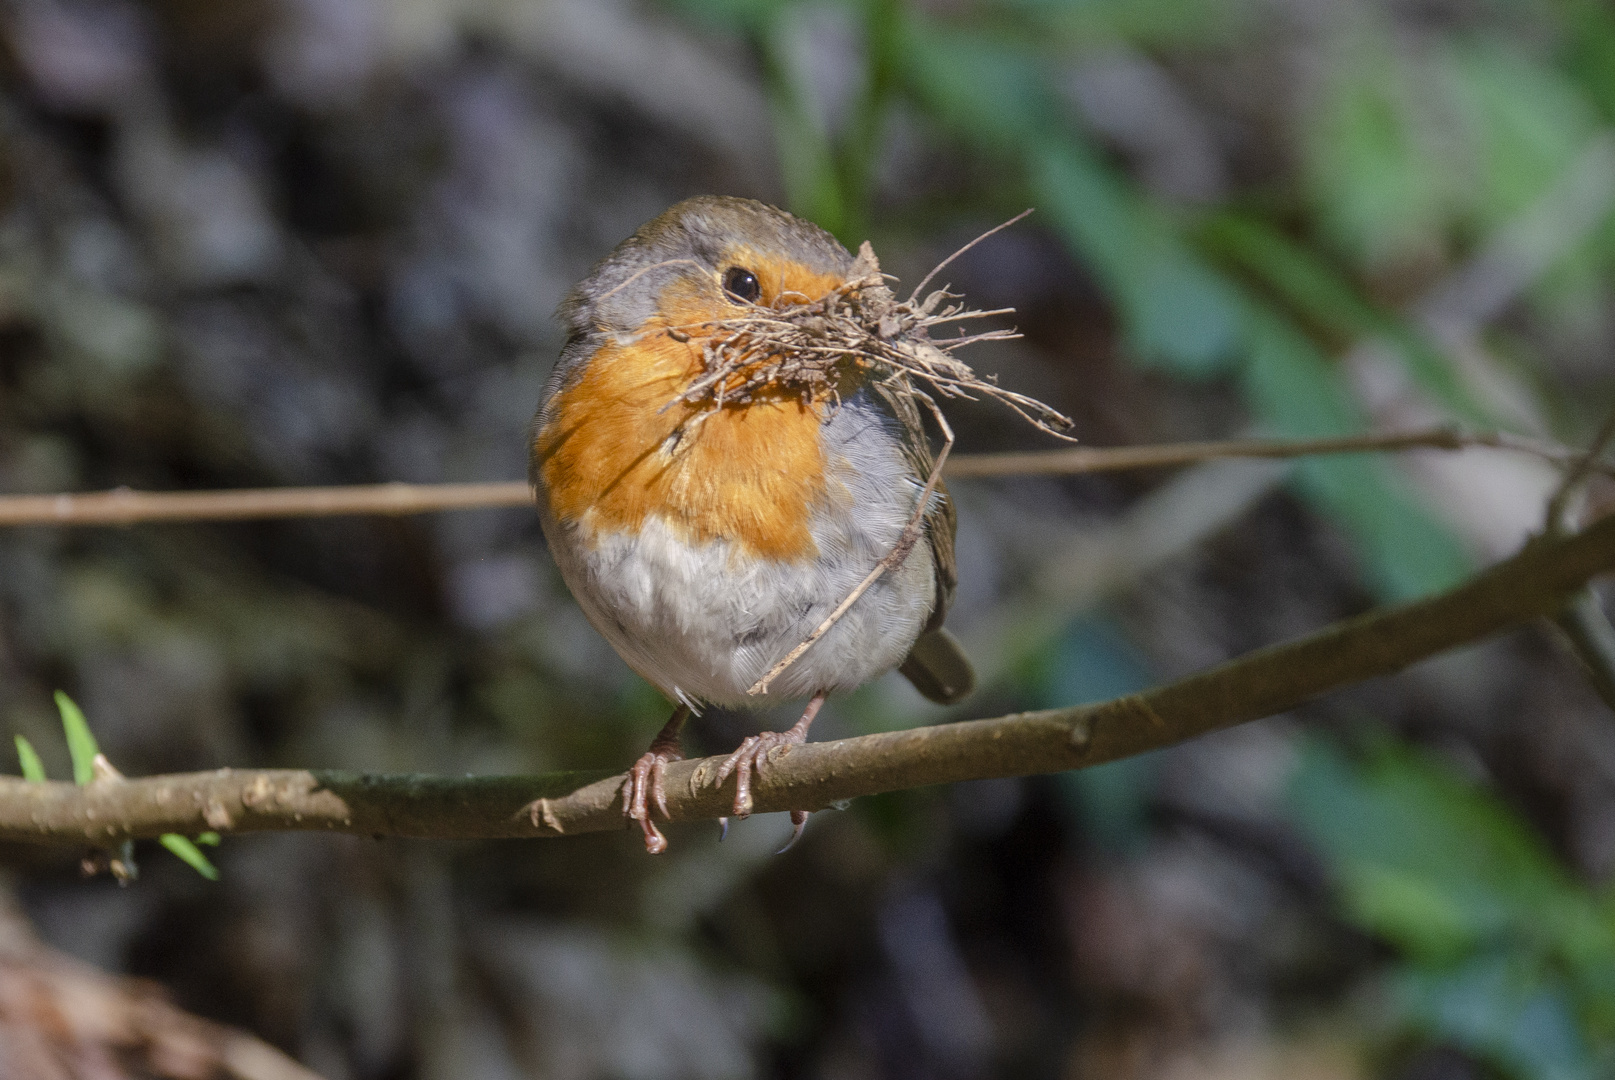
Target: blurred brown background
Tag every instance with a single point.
(285, 242)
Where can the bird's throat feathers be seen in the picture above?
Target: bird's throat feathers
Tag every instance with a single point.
(618, 447)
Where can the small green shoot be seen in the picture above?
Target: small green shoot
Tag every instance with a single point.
(80, 743)
(82, 746)
(190, 854)
(33, 770)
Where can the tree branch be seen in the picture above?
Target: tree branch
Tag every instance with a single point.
(1114, 459)
(1591, 640)
(125, 506)
(1539, 581)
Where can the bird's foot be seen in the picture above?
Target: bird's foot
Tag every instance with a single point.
(756, 751)
(646, 783)
(646, 787)
(748, 760)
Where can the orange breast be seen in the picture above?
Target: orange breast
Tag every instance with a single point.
(614, 453)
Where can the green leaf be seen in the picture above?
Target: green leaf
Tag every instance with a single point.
(1380, 188)
(190, 854)
(1324, 296)
(1295, 273)
(211, 839)
(1526, 123)
(986, 88)
(80, 743)
(1413, 911)
(1294, 392)
(1177, 311)
(33, 769)
(1505, 955)
(1590, 47)
(1437, 865)
(1505, 1012)
(1157, 23)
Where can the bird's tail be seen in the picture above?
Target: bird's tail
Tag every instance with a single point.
(939, 668)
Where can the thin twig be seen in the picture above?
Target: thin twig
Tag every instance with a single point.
(1589, 637)
(891, 560)
(124, 506)
(937, 269)
(1536, 582)
(1578, 472)
(858, 329)
(1584, 629)
(1080, 460)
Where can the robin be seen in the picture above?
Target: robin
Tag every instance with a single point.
(707, 539)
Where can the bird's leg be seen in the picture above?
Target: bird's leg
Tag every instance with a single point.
(755, 751)
(647, 780)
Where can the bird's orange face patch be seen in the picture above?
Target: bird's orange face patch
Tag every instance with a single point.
(784, 281)
(614, 453)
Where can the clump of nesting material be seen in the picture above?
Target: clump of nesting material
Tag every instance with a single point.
(860, 326)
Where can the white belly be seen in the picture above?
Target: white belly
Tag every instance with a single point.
(703, 622)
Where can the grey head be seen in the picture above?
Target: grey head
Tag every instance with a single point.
(695, 236)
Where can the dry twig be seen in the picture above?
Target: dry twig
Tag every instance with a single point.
(1584, 465)
(859, 329)
(123, 506)
(893, 558)
(1079, 460)
(1583, 627)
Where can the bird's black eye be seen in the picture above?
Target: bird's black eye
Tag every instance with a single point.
(742, 284)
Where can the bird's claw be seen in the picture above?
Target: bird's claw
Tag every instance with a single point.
(646, 786)
(748, 760)
(798, 823)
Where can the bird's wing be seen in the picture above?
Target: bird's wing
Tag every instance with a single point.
(941, 521)
(937, 664)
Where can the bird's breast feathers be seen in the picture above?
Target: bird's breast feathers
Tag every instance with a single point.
(616, 446)
(617, 449)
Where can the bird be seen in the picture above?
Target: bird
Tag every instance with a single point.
(706, 539)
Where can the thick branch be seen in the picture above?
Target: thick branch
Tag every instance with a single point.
(124, 506)
(1537, 582)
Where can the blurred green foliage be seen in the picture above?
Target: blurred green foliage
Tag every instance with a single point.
(1502, 952)
(81, 745)
(1412, 157)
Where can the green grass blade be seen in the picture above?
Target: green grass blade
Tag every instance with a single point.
(189, 854)
(80, 743)
(211, 839)
(32, 768)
